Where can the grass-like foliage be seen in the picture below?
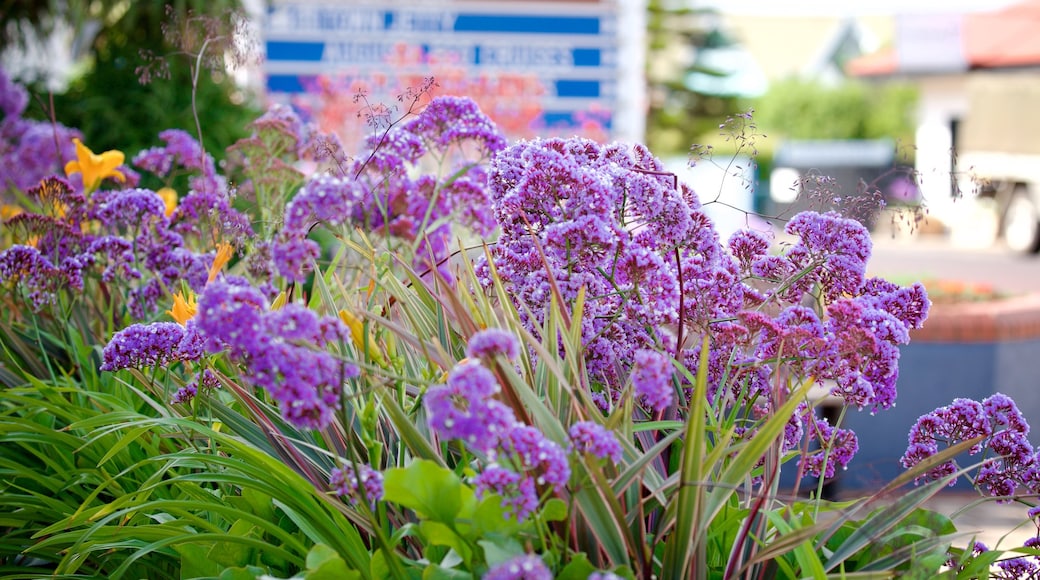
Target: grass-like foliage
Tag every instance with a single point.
(450, 357)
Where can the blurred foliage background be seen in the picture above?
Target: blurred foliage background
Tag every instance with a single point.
(106, 99)
(108, 102)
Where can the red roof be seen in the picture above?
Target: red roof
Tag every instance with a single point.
(1005, 38)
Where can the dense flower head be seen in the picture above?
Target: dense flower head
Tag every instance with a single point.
(182, 151)
(206, 381)
(837, 447)
(594, 439)
(527, 567)
(530, 451)
(652, 379)
(144, 345)
(388, 192)
(463, 408)
(130, 209)
(1016, 568)
(25, 267)
(282, 351)
(491, 342)
(839, 247)
(13, 97)
(33, 150)
(605, 221)
(351, 484)
(518, 493)
(449, 121)
(1002, 431)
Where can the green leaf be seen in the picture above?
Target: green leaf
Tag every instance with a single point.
(243, 573)
(439, 534)
(501, 550)
(323, 563)
(431, 491)
(578, 568)
(554, 510)
(195, 560)
(232, 554)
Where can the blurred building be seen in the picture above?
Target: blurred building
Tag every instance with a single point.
(978, 76)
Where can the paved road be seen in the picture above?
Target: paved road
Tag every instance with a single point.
(924, 257)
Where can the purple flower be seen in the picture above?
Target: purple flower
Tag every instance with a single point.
(1017, 568)
(1003, 430)
(530, 451)
(463, 408)
(491, 342)
(837, 448)
(594, 439)
(144, 345)
(13, 97)
(518, 493)
(652, 379)
(206, 380)
(352, 485)
(528, 567)
(451, 121)
(282, 352)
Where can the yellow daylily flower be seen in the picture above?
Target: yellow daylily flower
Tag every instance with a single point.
(94, 167)
(169, 197)
(224, 253)
(362, 342)
(183, 309)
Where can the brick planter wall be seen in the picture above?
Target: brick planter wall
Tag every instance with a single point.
(964, 350)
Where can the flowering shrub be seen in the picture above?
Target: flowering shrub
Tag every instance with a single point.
(600, 388)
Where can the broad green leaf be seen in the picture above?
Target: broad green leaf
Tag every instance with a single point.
(323, 563)
(428, 489)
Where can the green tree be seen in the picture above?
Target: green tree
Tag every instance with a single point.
(804, 109)
(679, 115)
(156, 41)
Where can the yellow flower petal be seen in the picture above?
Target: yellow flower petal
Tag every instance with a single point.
(224, 253)
(95, 168)
(363, 343)
(169, 197)
(183, 309)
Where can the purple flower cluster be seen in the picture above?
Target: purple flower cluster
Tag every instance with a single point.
(206, 380)
(594, 439)
(652, 380)
(488, 343)
(836, 448)
(1012, 462)
(13, 97)
(518, 493)
(465, 409)
(283, 351)
(527, 567)
(147, 345)
(521, 456)
(365, 484)
(604, 220)
(29, 150)
(382, 196)
(182, 151)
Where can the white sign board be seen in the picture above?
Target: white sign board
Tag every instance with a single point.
(573, 49)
